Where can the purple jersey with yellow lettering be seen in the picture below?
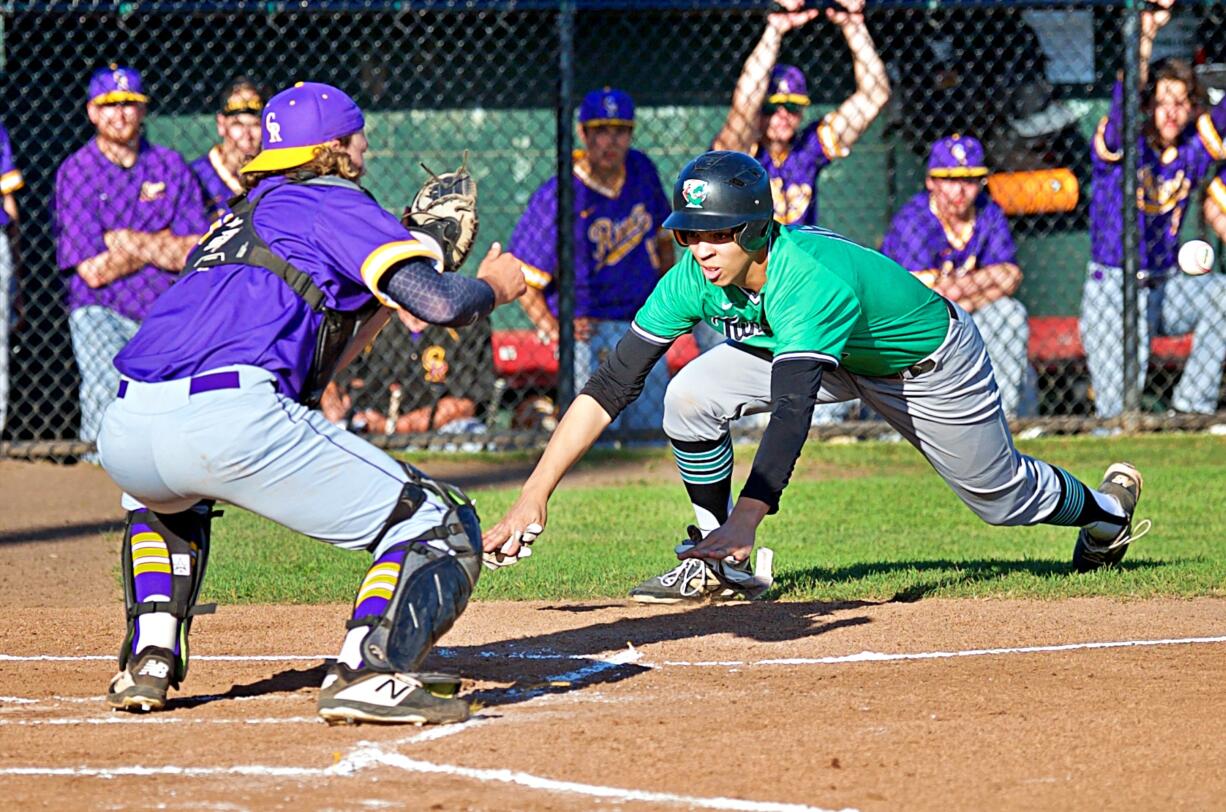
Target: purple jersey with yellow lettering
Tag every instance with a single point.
(94, 196)
(919, 242)
(793, 176)
(1165, 180)
(10, 176)
(616, 266)
(240, 314)
(218, 191)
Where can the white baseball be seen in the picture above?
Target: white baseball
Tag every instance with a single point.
(1196, 257)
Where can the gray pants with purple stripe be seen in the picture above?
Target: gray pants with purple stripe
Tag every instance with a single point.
(952, 414)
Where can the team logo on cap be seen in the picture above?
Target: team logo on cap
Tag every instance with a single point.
(959, 153)
(274, 128)
(610, 106)
(120, 78)
(694, 191)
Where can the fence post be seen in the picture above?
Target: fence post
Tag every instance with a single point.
(1132, 114)
(566, 204)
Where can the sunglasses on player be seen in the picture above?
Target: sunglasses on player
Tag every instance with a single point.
(688, 238)
(769, 109)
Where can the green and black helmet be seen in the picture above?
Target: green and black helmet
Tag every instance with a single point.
(722, 190)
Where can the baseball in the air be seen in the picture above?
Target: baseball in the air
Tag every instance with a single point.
(1196, 257)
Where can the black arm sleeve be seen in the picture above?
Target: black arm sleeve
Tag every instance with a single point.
(446, 299)
(794, 386)
(619, 381)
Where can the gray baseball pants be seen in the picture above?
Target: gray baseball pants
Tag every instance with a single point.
(951, 413)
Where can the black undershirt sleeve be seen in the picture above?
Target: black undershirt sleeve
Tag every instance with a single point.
(446, 299)
(794, 386)
(620, 379)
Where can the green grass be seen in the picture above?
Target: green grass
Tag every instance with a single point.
(866, 521)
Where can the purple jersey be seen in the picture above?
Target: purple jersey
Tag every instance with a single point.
(1164, 180)
(93, 196)
(218, 184)
(616, 266)
(918, 241)
(240, 314)
(10, 176)
(794, 175)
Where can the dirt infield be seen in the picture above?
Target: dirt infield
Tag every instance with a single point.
(787, 706)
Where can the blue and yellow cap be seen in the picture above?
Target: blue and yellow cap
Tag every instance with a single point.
(607, 107)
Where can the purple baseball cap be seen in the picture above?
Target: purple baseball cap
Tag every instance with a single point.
(115, 84)
(299, 120)
(957, 156)
(788, 86)
(607, 107)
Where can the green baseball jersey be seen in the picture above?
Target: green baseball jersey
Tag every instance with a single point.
(825, 297)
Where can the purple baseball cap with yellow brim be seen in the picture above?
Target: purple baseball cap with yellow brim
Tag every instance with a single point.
(608, 107)
(116, 84)
(300, 120)
(957, 156)
(787, 86)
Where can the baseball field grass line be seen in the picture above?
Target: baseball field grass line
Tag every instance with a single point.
(870, 521)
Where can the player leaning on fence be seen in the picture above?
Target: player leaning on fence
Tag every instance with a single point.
(810, 317)
(126, 213)
(769, 102)
(217, 397)
(1177, 148)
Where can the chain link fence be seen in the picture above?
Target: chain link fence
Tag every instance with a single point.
(966, 139)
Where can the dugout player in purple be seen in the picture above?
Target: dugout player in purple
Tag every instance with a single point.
(769, 102)
(238, 127)
(126, 214)
(620, 248)
(216, 402)
(957, 241)
(11, 181)
(1177, 149)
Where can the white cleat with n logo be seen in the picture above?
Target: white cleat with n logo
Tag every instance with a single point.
(352, 695)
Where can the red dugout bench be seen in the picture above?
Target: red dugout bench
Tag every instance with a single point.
(524, 361)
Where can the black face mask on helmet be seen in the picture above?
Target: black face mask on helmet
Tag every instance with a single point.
(723, 190)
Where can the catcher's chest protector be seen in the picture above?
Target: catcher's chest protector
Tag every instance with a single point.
(235, 242)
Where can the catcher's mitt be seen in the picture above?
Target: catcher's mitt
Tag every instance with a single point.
(446, 209)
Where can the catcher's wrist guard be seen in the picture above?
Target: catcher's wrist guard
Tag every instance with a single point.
(445, 208)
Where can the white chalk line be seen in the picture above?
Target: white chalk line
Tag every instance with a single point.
(878, 657)
(362, 758)
(157, 720)
(368, 755)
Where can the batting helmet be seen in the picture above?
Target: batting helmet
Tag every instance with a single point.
(721, 190)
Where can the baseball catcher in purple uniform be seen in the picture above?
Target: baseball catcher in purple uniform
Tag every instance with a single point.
(216, 402)
(769, 101)
(238, 127)
(1176, 150)
(957, 241)
(620, 248)
(126, 214)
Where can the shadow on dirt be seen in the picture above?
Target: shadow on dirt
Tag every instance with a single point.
(933, 575)
(60, 532)
(564, 661)
(287, 681)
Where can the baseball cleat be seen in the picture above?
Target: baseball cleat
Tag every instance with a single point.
(701, 580)
(1122, 481)
(141, 686)
(349, 696)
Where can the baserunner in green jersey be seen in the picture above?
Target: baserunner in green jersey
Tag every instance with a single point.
(809, 317)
